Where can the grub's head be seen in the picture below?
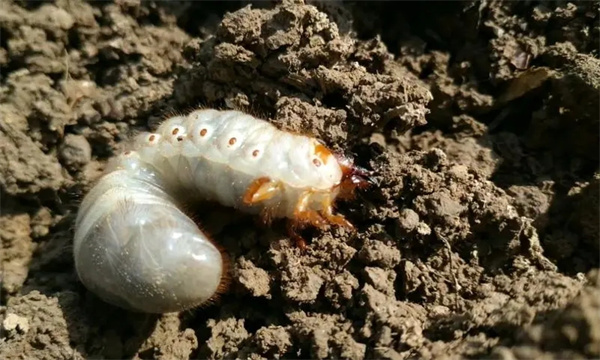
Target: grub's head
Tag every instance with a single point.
(325, 165)
(353, 177)
(339, 172)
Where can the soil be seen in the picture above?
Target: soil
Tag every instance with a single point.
(481, 121)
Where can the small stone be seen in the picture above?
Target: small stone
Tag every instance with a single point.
(458, 171)
(377, 253)
(15, 323)
(408, 220)
(423, 229)
(254, 279)
(75, 152)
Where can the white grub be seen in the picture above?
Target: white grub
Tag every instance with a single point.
(135, 248)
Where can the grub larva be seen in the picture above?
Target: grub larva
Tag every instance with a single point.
(134, 246)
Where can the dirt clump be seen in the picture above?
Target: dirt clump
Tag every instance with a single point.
(479, 122)
(571, 333)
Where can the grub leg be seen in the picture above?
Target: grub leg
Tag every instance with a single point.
(261, 189)
(295, 237)
(332, 218)
(304, 215)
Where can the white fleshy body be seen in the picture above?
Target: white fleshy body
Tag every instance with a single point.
(135, 248)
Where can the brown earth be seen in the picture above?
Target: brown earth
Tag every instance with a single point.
(481, 121)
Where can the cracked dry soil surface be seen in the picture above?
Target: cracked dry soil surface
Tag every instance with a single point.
(481, 121)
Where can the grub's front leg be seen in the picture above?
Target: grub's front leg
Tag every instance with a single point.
(295, 237)
(332, 218)
(303, 217)
(260, 190)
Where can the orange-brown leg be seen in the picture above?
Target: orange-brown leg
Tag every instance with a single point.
(302, 218)
(295, 237)
(306, 216)
(338, 220)
(261, 189)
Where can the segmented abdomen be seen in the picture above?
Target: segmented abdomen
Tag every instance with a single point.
(135, 248)
(217, 155)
